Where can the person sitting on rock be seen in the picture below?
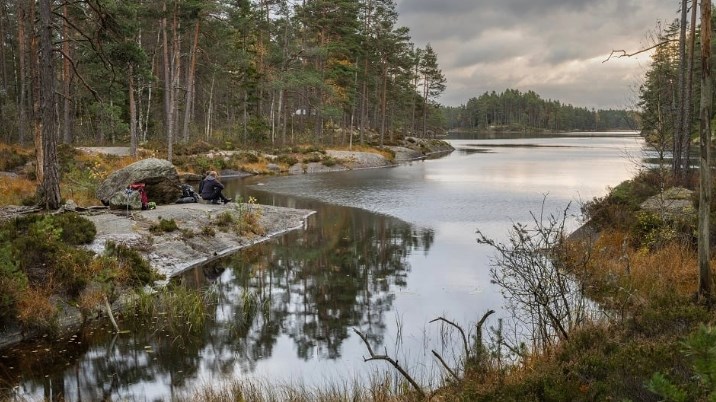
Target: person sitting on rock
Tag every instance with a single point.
(211, 189)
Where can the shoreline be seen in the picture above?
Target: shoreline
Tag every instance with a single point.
(169, 254)
(173, 253)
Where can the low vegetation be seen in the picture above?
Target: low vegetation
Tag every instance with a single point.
(650, 340)
(42, 262)
(175, 310)
(243, 219)
(164, 226)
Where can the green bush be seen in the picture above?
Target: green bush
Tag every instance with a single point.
(248, 157)
(137, 269)
(42, 247)
(312, 157)
(13, 282)
(616, 210)
(700, 347)
(289, 160)
(11, 159)
(164, 226)
(76, 229)
(650, 231)
(329, 162)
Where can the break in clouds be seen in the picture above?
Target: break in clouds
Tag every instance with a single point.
(554, 47)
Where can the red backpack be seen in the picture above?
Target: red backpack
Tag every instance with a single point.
(142, 193)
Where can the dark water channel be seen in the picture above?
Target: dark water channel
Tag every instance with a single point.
(387, 251)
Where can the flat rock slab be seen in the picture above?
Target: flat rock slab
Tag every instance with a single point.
(171, 253)
(673, 203)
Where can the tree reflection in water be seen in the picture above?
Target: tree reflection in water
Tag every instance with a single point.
(312, 286)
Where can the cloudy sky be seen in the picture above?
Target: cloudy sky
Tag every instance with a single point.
(554, 47)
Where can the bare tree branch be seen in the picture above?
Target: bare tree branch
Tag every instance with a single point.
(77, 73)
(392, 362)
(623, 53)
(440, 358)
(462, 333)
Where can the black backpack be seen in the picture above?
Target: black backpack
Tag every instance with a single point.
(187, 195)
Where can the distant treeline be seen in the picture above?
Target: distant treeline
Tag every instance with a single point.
(514, 110)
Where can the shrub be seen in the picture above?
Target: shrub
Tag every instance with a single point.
(11, 159)
(36, 311)
(289, 160)
(131, 269)
(164, 226)
(208, 231)
(616, 210)
(328, 162)
(76, 229)
(248, 157)
(73, 270)
(700, 346)
(312, 157)
(651, 231)
(224, 220)
(13, 283)
(43, 248)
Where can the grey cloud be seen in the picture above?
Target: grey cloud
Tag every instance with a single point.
(478, 42)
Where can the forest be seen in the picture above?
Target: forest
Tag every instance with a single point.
(240, 72)
(513, 110)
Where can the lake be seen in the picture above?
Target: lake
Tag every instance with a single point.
(388, 251)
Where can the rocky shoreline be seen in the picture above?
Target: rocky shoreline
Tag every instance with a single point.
(172, 253)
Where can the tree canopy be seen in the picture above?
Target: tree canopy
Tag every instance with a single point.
(242, 72)
(515, 110)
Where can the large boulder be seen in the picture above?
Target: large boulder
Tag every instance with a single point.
(159, 176)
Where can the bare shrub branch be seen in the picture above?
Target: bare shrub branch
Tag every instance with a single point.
(459, 328)
(392, 362)
(539, 290)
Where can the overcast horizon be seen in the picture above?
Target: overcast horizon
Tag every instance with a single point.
(556, 48)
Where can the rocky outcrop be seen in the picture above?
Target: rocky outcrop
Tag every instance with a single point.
(160, 177)
(673, 203)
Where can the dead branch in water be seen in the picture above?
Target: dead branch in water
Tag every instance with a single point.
(478, 337)
(392, 362)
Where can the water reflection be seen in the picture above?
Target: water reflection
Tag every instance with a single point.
(282, 311)
(309, 286)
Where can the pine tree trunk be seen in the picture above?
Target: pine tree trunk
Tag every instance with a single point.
(66, 74)
(168, 118)
(190, 80)
(36, 79)
(132, 113)
(681, 102)
(3, 57)
(689, 89)
(22, 96)
(51, 179)
(705, 158)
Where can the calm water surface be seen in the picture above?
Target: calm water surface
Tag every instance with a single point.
(388, 251)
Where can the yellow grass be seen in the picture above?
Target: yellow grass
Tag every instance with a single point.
(14, 189)
(671, 269)
(364, 148)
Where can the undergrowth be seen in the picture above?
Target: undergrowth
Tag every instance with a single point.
(41, 263)
(653, 343)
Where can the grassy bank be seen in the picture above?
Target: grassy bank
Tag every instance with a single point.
(653, 341)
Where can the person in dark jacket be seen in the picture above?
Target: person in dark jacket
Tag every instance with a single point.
(211, 189)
